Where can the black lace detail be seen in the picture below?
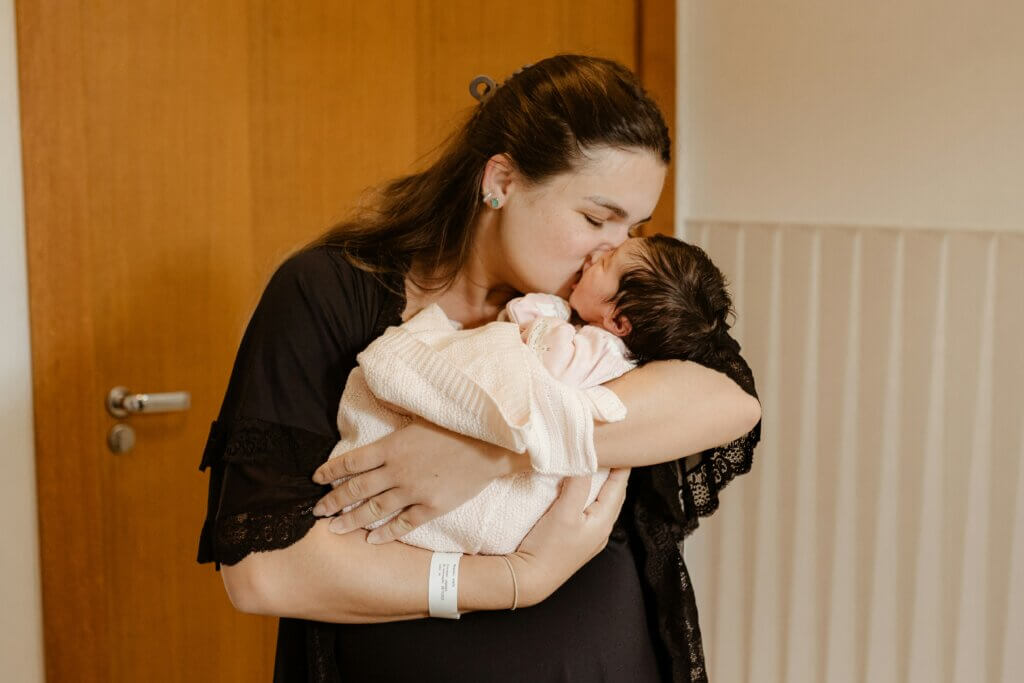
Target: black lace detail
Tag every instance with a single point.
(263, 530)
(667, 508)
(290, 450)
(262, 474)
(717, 468)
(666, 573)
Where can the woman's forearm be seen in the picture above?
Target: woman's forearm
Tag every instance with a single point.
(344, 579)
(675, 408)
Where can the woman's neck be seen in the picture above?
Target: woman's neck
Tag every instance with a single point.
(478, 293)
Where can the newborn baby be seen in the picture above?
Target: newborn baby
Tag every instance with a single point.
(653, 298)
(649, 299)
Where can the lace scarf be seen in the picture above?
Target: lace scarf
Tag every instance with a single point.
(666, 509)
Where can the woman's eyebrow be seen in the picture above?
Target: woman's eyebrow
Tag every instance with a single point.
(613, 207)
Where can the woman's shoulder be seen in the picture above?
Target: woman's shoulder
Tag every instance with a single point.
(322, 281)
(327, 264)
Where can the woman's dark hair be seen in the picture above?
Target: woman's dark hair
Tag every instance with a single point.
(677, 303)
(543, 117)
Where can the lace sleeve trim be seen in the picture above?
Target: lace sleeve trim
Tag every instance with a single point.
(236, 536)
(668, 504)
(267, 497)
(252, 441)
(685, 497)
(718, 466)
(290, 450)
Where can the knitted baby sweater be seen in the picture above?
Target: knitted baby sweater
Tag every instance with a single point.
(485, 383)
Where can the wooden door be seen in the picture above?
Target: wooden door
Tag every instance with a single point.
(174, 153)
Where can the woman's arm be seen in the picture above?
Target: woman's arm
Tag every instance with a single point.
(344, 579)
(675, 408)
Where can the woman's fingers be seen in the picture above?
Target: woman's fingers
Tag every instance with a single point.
(612, 494)
(369, 512)
(409, 519)
(429, 470)
(357, 460)
(360, 487)
(573, 495)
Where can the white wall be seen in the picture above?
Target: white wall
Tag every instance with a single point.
(857, 171)
(21, 636)
(881, 112)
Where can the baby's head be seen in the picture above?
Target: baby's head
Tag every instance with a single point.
(664, 297)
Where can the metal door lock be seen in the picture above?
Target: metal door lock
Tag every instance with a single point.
(120, 438)
(121, 403)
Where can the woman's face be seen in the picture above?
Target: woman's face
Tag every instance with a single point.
(549, 231)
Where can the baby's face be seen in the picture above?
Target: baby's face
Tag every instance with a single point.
(600, 282)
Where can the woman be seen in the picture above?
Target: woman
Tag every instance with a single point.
(556, 166)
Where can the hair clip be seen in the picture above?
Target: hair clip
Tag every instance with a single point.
(474, 85)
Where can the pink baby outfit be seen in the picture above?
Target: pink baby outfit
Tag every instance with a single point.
(486, 383)
(583, 356)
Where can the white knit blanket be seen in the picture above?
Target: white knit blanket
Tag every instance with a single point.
(485, 383)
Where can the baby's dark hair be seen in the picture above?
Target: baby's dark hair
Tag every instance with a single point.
(677, 303)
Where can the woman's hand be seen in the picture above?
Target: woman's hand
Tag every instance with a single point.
(426, 469)
(567, 536)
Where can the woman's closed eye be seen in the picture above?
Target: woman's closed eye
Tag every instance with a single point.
(635, 231)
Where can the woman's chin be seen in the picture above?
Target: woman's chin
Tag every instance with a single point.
(565, 291)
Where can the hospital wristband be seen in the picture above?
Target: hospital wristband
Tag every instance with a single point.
(443, 585)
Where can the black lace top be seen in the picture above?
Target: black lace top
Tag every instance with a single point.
(628, 615)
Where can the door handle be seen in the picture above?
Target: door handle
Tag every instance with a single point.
(122, 403)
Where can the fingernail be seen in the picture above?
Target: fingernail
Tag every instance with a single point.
(337, 526)
(319, 510)
(374, 538)
(319, 478)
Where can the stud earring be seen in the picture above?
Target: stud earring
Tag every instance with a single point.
(491, 200)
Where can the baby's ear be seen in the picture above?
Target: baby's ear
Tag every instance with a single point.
(620, 325)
